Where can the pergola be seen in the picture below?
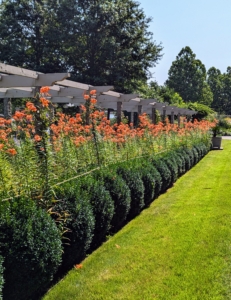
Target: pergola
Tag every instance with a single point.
(18, 82)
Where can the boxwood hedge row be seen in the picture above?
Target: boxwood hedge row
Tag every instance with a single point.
(35, 244)
(31, 246)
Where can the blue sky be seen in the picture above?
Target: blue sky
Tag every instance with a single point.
(203, 25)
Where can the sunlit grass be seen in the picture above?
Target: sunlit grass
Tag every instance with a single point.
(178, 248)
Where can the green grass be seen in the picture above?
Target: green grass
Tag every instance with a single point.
(178, 248)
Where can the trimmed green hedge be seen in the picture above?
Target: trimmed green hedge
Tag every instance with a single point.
(149, 184)
(158, 179)
(120, 194)
(133, 179)
(87, 209)
(80, 223)
(103, 209)
(172, 166)
(31, 246)
(164, 171)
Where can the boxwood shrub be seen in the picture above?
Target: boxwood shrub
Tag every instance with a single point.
(158, 179)
(103, 209)
(120, 194)
(195, 154)
(133, 179)
(1, 276)
(199, 151)
(79, 223)
(180, 160)
(186, 158)
(149, 184)
(164, 171)
(190, 155)
(173, 168)
(31, 246)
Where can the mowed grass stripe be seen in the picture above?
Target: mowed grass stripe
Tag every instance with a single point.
(178, 248)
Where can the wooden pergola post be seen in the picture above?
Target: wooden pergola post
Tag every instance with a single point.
(108, 114)
(139, 110)
(164, 115)
(153, 116)
(7, 108)
(172, 117)
(119, 112)
(178, 119)
(132, 117)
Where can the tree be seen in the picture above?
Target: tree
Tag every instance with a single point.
(31, 27)
(146, 90)
(187, 76)
(226, 99)
(216, 83)
(169, 96)
(99, 42)
(206, 95)
(220, 85)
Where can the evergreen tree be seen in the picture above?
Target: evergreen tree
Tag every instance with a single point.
(98, 41)
(187, 76)
(216, 83)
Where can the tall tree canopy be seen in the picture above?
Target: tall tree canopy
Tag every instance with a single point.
(220, 85)
(187, 76)
(98, 41)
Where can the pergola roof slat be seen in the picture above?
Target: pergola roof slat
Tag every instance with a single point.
(74, 84)
(21, 81)
(18, 71)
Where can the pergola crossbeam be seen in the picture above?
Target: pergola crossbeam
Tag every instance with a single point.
(10, 81)
(18, 71)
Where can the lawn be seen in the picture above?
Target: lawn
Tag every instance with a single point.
(178, 248)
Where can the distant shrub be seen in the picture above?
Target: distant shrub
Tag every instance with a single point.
(103, 209)
(32, 249)
(133, 179)
(1, 276)
(120, 194)
(79, 223)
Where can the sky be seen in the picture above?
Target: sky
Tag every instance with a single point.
(203, 25)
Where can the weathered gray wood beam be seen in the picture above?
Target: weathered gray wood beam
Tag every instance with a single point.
(74, 84)
(102, 89)
(66, 91)
(17, 92)
(20, 81)
(112, 93)
(67, 100)
(107, 105)
(106, 97)
(127, 97)
(8, 69)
